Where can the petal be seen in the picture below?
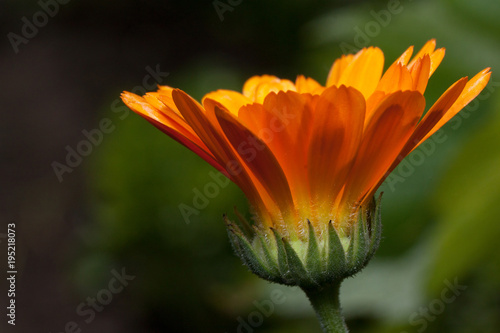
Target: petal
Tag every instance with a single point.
(255, 117)
(397, 77)
(436, 58)
(428, 48)
(405, 57)
(435, 113)
(231, 100)
(252, 83)
(165, 104)
(452, 101)
(200, 123)
(420, 73)
(259, 159)
(290, 111)
(209, 106)
(220, 148)
(337, 129)
(283, 123)
(426, 123)
(372, 103)
(159, 113)
(166, 93)
(266, 88)
(337, 69)
(470, 91)
(364, 71)
(178, 132)
(391, 126)
(308, 85)
(258, 87)
(153, 98)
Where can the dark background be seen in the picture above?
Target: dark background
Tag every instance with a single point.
(118, 206)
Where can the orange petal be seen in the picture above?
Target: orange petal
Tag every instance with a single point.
(397, 77)
(254, 116)
(220, 148)
(470, 91)
(364, 71)
(337, 129)
(173, 129)
(428, 48)
(436, 58)
(283, 122)
(293, 110)
(435, 113)
(259, 159)
(266, 88)
(162, 114)
(258, 87)
(166, 93)
(450, 103)
(252, 83)
(197, 119)
(153, 98)
(372, 103)
(308, 85)
(231, 100)
(165, 104)
(405, 57)
(337, 69)
(420, 73)
(391, 126)
(426, 123)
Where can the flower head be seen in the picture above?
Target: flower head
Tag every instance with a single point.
(303, 152)
(310, 157)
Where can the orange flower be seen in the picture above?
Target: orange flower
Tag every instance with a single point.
(302, 151)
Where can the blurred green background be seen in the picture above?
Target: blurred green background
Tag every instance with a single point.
(437, 269)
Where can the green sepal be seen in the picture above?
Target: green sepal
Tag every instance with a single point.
(313, 258)
(271, 262)
(358, 248)
(232, 230)
(252, 259)
(296, 268)
(336, 255)
(375, 226)
(244, 225)
(282, 260)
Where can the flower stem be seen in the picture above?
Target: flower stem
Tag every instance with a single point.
(325, 302)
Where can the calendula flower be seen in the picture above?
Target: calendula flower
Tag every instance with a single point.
(310, 157)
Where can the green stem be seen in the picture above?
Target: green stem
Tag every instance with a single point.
(325, 302)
